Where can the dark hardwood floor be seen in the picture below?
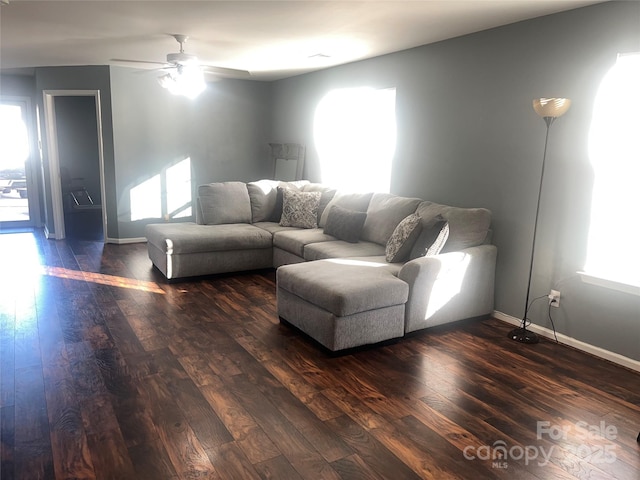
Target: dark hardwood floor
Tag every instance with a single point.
(109, 372)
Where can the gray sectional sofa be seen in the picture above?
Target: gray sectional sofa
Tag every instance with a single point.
(352, 268)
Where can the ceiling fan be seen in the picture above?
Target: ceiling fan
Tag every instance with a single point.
(181, 60)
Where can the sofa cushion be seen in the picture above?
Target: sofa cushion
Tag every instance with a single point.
(468, 227)
(432, 239)
(300, 209)
(350, 201)
(273, 227)
(177, 238)
(345, 224)
(384, 214)
(341, 249)
(402, 239)
(294, 240)
(224, 202)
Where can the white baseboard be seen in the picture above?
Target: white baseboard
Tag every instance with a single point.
(572, 342)
(123, 241)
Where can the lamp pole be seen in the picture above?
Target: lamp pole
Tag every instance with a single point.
(549, 109)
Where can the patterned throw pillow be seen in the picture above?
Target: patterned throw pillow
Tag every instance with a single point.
(300, 209)
(402, 239)
(345, 224)
(432, 240)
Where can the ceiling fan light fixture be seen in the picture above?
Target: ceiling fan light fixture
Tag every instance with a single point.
(182, 58)
(187, 81)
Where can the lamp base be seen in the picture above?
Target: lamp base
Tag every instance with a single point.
(523, 335)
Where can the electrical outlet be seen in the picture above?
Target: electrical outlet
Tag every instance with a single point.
(554, 298)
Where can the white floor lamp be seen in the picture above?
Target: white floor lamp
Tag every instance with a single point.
(549, 109)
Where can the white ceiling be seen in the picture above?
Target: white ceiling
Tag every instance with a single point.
(272, 39)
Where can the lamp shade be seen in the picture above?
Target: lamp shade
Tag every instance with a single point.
(551, 107)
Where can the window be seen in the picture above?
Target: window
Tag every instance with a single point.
(614, 151)
(355, 135)
(14, 158)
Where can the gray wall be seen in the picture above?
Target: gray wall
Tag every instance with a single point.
(468, 136)
(225, 132)
(18, 86)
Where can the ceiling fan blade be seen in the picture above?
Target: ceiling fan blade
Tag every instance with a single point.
(149, 71)
(225, 71)
(124, 60)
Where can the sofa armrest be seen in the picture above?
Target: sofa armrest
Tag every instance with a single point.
(449, 287)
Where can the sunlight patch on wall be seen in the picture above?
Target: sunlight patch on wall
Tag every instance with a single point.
(179, 189)
(166, 195)
(145, 199)
(614, 150)
(355, 136)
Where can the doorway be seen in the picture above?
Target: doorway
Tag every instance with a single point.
(74, 135)
(18, 194)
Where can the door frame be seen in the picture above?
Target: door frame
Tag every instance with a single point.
(54, 159)
(30, 165)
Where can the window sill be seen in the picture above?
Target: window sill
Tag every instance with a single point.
(611, 284)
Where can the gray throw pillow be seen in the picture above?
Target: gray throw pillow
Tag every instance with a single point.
(299, 209)
(402, 239)
(262, 194)
(344, 224)
(276, 214)
(432, 239)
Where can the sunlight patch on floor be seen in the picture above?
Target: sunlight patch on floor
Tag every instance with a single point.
(22, 270)
(102, 279)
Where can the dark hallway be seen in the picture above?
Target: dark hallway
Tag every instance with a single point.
(77, 131)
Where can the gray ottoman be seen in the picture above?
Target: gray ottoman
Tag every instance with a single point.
(342, 303)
